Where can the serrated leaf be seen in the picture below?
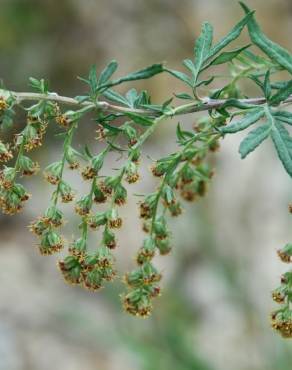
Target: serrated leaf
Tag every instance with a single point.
(231, 36)
(254, 139)
(180, 75)
(276, 52)
(282, 94)
(107, 72)
(282, 142)
(249, 119)
(226, 56)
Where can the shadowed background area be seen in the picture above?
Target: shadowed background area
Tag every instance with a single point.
(214, 311)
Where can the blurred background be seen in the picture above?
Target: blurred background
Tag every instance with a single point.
(214, 311)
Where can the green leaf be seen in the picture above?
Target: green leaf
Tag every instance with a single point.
(39, 85)
(276, 52)
(202, 48)
(140, 120)
(112, 129)
(183, 135)
(188, 63)
(180, 75)
(282, 94)
(107, 72)
(235, 103)
(115, 97)
(231, 36)
(246, 121)
(279, 85)
(139, 75)
(254, 139)
(267, 85)
(283, 116)
(92, 78)
(226, 56)
(184, 96)
(132, 97)
(205, 82)
(283, 145)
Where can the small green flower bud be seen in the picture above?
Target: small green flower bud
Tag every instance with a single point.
(97, 161)
(120, 195)
(54, 216)
(5, 153)
(27, 166)
(159, 227)
(285, 253)
(147, 252)
(78, 248)
(66, 192)
(187, 174)
(7, 176)
(163, 245)
(279, 294)
(99, 219)
(51, 242)
(82, 207)
(147, 207)
(114, 221)
(132, 174)
(71, 269)
(108, 238)
(168, 195)
(71, 156)
(99, 195)
(53, 173)
(104, 257)
(93, 279)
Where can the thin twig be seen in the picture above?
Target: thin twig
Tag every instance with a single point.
(207, 104)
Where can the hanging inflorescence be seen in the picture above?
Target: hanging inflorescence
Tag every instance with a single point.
(123, 123)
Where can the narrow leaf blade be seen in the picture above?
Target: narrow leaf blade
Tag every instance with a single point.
(231, 36)
(282, 146)
(254, 139)
(276, 52)
(246, 121)
(107, 72)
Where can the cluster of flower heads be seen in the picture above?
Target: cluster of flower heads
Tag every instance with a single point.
(89, 270)
(183, 174)
(12, 194)
(281, 319)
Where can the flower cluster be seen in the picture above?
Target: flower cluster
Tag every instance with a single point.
(281, 319)
(45, 228)
(184, 174)
(88, 270)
